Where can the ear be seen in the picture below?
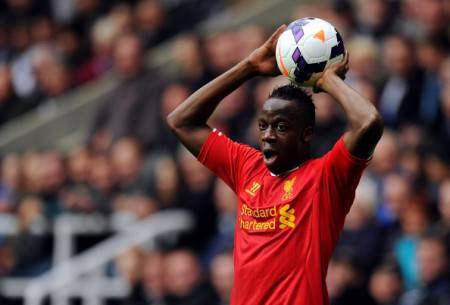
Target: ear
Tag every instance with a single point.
(307, 134)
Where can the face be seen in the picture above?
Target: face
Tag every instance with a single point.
(283, 137)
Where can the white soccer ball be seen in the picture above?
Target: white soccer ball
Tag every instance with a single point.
(306, 48)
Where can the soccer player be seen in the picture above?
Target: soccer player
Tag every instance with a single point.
(291, 208)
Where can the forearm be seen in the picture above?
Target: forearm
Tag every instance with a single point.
(366, 124)
(195, 111)
(358, 110)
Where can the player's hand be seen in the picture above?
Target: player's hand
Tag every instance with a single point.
(263, 58)
(340, 69)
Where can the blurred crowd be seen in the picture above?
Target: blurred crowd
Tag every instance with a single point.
(395, 246)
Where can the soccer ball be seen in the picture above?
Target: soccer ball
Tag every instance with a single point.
(306, 48)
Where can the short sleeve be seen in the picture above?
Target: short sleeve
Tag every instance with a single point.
(341, 173)
(225, 157)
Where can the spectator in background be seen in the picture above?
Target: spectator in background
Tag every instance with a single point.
(361, 233)
(431, 54)
(190, 60)
(183, 280)
(30, 247)
(385, 285)
(127, 162)
(151, 22)
(10, 105)
(329, 125)
(52, 75)
(129, 265)
(414, 222)
(401, 87)
(103, 33)
(197, 197)
(152, 279)
(225, 203)
(132, 108)
(432, 262)
(374, 18)
(221, 271)
(344, 282)
(102, 182)
(443, 225)
(172, 96)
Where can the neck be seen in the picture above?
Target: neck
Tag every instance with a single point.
(291, 167)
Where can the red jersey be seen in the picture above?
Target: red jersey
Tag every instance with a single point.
(287, 226)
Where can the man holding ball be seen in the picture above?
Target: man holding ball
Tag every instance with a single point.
(291, 208)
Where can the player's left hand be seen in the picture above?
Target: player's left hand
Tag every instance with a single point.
(340, 69)
(263, 58)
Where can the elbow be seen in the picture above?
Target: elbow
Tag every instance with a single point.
(373, 125)
(172, 121)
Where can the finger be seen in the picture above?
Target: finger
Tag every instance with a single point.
(346, 58)
(274, 37)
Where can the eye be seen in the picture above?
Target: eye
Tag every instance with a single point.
(282, 127)
(262, 126)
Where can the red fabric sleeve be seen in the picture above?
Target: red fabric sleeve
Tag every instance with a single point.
(225, 157)
(341, 175)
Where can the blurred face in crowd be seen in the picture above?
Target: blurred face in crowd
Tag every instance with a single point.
(166, 180)
(182, 273)
(196, 176)
(250, 38)
(188, 55)
(396, 193)
(30, 208)
(431, 14)
(78, 165)
(53, 171)
(152, 277)
(429, 55)
(130, 265)
(222, 275)
(373, 13)
(224, 198)
(385, 286)
(397, 56)
(414, 220)
(42, 30)
(11, 171)
(149, 15)
(386, 153)
(173, 96)
(340, 275)
(128, 56)
(127, 160)
(364, 53)
(444, 202)
(222, 51)
(5, 83)
(100, 173)
(431, 260)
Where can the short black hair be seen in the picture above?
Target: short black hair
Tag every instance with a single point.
(303, 100)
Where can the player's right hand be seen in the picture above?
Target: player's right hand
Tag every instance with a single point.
(263, 58)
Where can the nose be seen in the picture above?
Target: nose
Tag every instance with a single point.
(268, 135)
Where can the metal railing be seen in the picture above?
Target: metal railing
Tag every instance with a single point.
(82, 275)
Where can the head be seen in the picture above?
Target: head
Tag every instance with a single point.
(286, 123)
(182, 272)
(385, 285)
(431, 259)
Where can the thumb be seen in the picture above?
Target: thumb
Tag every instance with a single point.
(274, 37)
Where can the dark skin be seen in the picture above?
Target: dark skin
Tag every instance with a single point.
(284, 140)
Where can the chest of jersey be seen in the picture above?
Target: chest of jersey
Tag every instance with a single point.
(268, 204)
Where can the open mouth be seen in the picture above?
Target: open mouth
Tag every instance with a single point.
(269, 156)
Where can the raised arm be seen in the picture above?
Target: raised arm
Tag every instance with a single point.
(366, 124)
(189, 120)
